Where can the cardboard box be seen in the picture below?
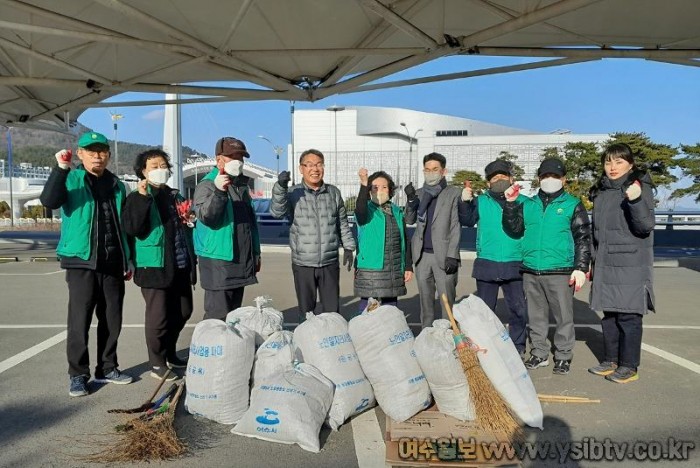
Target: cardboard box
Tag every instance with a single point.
(434, 439)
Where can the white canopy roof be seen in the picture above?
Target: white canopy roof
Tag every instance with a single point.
(58, 57)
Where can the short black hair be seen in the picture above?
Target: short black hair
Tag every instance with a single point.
(435, 157)
(384, 175)
(142, 159)
(315, 152)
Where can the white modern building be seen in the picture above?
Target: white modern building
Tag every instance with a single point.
(380, 138)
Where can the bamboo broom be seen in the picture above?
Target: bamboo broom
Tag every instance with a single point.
(152, 438)
(492, 412)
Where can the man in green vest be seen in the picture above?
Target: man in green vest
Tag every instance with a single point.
(556, 244)
(499, 257)
(226, 237)
(95, 254)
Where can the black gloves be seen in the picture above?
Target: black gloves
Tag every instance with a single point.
(283, 179)
(451, 265)
(410, 191)
(348, 258)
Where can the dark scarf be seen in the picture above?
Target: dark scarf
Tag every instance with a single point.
(430, 192)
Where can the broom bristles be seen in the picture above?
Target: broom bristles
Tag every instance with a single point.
(150, 440)
(144, 440)
(492, 412)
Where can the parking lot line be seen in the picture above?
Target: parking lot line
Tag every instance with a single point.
(690, 365)
(369, 442)
(32, 274)
(33, 351)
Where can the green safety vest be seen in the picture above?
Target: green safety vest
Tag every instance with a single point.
(217, 242)
(548, 243)
(150, 250)
(77, 215)
(371, 238)
(492, 243)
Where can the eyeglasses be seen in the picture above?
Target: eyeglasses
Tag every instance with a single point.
(93, 153)
(312, 166)
(432, 171)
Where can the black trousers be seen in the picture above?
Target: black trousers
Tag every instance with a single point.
(622, 335)
(167, 312)
(309, 280)
(514, 295)
(102, 293)
(217, 304)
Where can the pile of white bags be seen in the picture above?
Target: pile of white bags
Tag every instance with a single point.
(262, 318)
(435, 350)
(323, 341)
(218, 370)
(501, 361)
(289, 408)
(275, 356)
(384, 344)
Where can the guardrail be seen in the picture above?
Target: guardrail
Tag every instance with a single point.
(668, 219)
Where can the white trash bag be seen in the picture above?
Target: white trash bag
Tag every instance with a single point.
(262, 318)
(218, 370)
(324, 342)
(275, 356)
(499, 359)
(289, 408)
(384, 343)
(435, 350)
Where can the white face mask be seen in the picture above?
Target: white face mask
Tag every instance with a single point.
(234, 167)
(380, 198)
(158, 176)
(551, 185)
(432, 178)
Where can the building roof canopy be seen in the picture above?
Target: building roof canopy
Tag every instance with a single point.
(59, 57)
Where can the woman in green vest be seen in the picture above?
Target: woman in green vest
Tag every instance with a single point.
(163, 256)
(384, 264)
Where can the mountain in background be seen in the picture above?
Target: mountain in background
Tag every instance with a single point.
(37, 147)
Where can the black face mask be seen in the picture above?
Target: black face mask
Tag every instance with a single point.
(500, 186)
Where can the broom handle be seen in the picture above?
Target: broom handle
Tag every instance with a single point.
(162, 381)
(446, 303)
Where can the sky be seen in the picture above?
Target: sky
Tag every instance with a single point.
(604, 96)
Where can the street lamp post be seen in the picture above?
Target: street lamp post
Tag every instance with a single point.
(115, 118)
(10, 163)
(410, 149)
(335, 109)
(277, 149)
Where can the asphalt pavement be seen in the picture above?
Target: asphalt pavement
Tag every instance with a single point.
(41, 426)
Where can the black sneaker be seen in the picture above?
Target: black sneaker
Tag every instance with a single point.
(177, 363)
(115, 376)
(533, 362)
(78, 385)
(158, 373)
(623, 375)
(562, 366)
(604, 368)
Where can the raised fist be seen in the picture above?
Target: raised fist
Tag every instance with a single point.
(512, 192)
(410, 191)
(142, 186)
(222, 182)
(634, 191)
(467, 192)
(283, 179)
(63, 158)
(364, 176)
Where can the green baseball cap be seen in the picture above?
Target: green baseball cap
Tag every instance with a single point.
(92, 138)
